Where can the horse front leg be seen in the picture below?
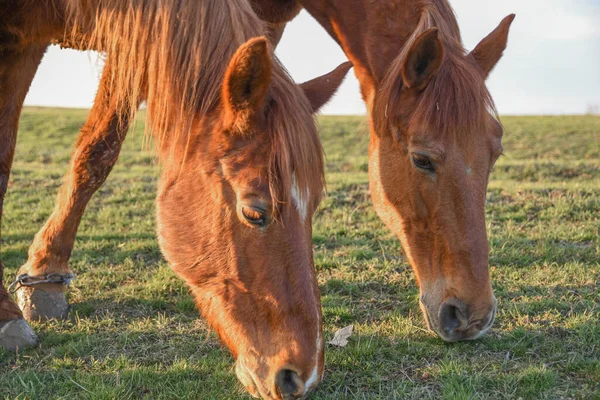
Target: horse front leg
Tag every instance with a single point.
(96, 152)
(17, 68)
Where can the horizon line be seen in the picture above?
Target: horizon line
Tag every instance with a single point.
(542, 114)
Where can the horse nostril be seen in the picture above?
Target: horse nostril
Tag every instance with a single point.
(289, 384)
(453, 316)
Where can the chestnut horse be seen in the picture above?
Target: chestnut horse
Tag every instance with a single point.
(242, 168)
(434, 139)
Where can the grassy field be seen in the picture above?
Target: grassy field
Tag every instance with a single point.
(133, 331)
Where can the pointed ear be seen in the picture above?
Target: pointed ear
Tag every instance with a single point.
(423, 61)
(247, 82)
(320, 90)
(489, 51)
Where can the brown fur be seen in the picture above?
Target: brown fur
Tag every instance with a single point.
(233, 132)
(16, 73)
(454, 100)
(167, 69)
(426, 97)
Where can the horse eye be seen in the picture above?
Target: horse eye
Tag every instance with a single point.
(423, 162)
(254, 216)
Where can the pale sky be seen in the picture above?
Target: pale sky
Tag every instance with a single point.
(551, 65)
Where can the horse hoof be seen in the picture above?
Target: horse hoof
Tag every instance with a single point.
(16, 334)
(42, 305)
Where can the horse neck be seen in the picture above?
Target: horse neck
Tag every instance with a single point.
(372, 33)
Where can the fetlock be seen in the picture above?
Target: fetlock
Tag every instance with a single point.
(8, 308)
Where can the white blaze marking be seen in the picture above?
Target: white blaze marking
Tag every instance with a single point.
(312, 379)
(300, 200)
(468, 171)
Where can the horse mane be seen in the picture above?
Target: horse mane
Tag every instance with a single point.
(456, 100)
(173, 55)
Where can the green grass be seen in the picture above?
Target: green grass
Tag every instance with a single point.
(133, 331)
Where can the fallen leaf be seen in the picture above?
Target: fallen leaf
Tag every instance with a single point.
(341, 336)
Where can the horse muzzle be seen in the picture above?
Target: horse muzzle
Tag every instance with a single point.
(453, 321)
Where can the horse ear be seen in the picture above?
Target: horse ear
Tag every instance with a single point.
(320, 90)
(423, 60)
(247, 82)
(489, 51)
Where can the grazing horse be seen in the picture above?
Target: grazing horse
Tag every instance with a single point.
(434, 138)
(242, 168)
